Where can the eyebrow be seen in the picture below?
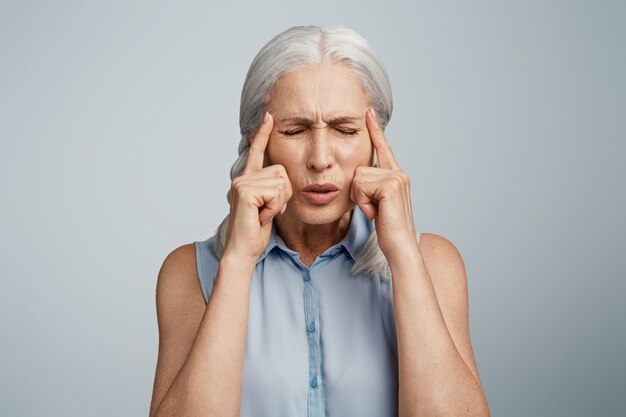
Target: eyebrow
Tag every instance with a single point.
(305, 121)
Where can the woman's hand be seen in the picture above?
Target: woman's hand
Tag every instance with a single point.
(383, 193)
(258, 195)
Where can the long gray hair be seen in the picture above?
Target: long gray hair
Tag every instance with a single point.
(294, 49)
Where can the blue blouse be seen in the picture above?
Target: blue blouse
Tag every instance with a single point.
(319, 342)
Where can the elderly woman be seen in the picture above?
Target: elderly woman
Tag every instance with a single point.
(316, 296)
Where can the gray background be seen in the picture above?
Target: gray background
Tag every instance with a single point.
(119, 124)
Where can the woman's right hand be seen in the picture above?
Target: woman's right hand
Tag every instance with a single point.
(257, 195)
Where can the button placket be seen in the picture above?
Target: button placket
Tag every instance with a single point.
(311, 316)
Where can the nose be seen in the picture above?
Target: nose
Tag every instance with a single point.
(320, 151)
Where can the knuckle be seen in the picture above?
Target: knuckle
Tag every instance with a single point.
(238, 191)
(397, 184)
(239, 187)
(280, 170)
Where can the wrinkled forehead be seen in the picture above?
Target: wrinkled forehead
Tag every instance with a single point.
(328, 91)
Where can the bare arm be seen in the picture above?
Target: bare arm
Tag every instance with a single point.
(200, 371)
(437, 370)
(210, 379)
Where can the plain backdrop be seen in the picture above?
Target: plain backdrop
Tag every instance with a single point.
(119, 125)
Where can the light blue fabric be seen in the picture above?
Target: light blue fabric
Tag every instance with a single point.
(319, 342)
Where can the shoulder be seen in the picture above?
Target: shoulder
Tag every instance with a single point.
(439, 252)
(445, 267)
(180, 262)
(178, 288)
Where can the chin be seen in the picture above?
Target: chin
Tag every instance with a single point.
(323, 214)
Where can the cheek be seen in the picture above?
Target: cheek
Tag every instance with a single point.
(274, 153)
(352, 157)
(360, 152)
(293, 158)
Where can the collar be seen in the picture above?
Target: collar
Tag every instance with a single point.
(360, 230)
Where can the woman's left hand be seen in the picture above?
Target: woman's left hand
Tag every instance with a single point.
(383, 193)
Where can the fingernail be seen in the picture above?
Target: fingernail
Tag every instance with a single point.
(266, 117)
(283, 209)
(373, 113)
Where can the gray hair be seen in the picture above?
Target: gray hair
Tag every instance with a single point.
(294, 49)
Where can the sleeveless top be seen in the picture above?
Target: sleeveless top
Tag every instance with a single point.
(319, 342)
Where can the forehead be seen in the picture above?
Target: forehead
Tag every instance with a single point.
(330, 89)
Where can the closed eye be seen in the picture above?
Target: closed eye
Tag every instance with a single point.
(343, 132)
(348, 132)
(291, 133)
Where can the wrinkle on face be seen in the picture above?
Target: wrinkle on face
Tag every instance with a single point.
(317, 95)
(319, 101)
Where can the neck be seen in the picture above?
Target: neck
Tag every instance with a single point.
(309, 239)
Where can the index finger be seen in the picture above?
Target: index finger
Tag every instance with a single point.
(385, 156)
(259, 143)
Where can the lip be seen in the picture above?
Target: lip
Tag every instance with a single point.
(329, 186)
(331, 189)
(320, 198)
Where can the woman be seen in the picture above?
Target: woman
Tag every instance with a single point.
(316, 296)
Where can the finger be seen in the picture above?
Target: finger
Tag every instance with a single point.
(287, 194)
(360, 197)
(384, 155)
(269, 195)
(269, 178)
(256, 153)
(263, 186)
(369, 173)
(274, 203)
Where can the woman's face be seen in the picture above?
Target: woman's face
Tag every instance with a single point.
(319, 136)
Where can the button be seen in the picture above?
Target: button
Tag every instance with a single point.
(311, 326)
(314, 382)
(307, 276)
